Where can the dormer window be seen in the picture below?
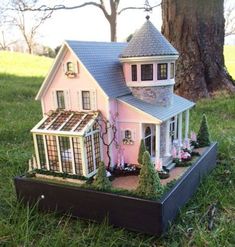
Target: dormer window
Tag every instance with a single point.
(134, 72)
(172, 71)
(70, 69)
(162, 71)
(146, 72)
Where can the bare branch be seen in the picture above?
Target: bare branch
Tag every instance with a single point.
(135, 8)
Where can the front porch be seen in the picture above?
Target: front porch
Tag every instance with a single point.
(68, 142)
(159, 139)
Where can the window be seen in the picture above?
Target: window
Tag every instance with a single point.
(134, 72)
(162, 71)
(86, 100)
(70, 67)
(41, 151)
(77, 155)
(60, 99)
(52, 153)
(172, 71)
(128, 134)
(65, 154)
(146, 72)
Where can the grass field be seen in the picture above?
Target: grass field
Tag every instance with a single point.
(20, 78)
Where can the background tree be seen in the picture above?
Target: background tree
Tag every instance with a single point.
(28, 25)
(203, 136)
(149, 182)
(196, 29)
(110, 11)
(229, 15)
(102, 181)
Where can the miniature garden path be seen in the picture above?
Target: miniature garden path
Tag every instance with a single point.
(131, 182)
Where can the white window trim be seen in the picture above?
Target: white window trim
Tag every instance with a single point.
(67, 99)
(93, 99)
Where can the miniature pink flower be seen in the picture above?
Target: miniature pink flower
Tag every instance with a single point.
(193, 136)
(174, 152)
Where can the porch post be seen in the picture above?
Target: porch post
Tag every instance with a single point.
(186, 123)
(167, 138)
(157, 141)
(180, 129)
(84, 159)
(72, 155)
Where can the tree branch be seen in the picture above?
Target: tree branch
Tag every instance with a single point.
(132, 8)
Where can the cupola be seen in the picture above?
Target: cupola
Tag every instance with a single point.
(149, 65)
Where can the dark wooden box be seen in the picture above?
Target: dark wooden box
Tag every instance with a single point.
(151, 217)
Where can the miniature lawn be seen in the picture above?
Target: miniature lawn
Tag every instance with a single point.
(20, 78)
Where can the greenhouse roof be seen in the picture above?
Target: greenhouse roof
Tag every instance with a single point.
(66, 123)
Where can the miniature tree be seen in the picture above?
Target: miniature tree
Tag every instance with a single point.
(102, 182)
(142, 149)
(149, 182)
(203, 136)
(108, 133)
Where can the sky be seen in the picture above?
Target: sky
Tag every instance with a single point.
(89, 24)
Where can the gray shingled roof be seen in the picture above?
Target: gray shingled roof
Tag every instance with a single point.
(101, 60)
(148, 41)
(162, 113)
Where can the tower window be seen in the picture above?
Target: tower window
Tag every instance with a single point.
(146, 72)
(134, 72)
(172, 71)
(162, 71)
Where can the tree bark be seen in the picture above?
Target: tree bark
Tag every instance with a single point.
(196, 30)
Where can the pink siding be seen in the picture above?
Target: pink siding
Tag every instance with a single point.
(83, 81)
(132, 119)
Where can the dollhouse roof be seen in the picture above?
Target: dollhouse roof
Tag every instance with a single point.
(148, 41)
(101, 60)
(162, 113)
(66, 122)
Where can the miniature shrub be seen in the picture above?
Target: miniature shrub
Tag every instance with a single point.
(149, 182)
(102, 182)
(142, 149)
(203, 136)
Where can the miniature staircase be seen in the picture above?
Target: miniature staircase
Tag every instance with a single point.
(169, 165)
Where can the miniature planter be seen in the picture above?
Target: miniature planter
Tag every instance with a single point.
(163, 174)
(152, 217)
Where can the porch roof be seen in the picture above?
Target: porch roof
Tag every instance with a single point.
(66, 123)
(162, 113)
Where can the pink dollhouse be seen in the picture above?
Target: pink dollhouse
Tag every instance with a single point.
(134, 79)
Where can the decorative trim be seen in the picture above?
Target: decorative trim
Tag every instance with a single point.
(149, 59)
(157, 83)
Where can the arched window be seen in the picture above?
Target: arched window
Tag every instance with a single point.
(70, 67)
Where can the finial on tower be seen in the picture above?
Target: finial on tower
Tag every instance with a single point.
(147, 8)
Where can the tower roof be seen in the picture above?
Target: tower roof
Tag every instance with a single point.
(148, 41)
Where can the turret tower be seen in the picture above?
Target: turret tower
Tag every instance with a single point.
(149, 65)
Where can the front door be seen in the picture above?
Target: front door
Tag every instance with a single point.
(149, 139)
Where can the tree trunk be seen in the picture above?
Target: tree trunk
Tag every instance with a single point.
(113, 29)
(196, 30)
